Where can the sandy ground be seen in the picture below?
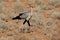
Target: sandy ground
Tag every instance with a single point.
(45, 22)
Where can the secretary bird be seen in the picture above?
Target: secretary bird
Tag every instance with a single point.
(25, 15)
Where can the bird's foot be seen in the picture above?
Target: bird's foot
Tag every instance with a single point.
(25, 30)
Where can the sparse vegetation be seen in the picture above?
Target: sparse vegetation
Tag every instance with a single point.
(45, 22)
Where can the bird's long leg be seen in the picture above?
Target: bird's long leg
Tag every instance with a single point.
(25, 21)
(28, 22)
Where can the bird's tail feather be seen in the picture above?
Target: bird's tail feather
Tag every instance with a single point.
(17, 17)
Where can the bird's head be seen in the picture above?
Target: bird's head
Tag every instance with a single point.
(30, 6)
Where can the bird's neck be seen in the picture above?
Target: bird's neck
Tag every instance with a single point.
(31, 10)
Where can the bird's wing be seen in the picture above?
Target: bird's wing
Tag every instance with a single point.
(24, 15)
